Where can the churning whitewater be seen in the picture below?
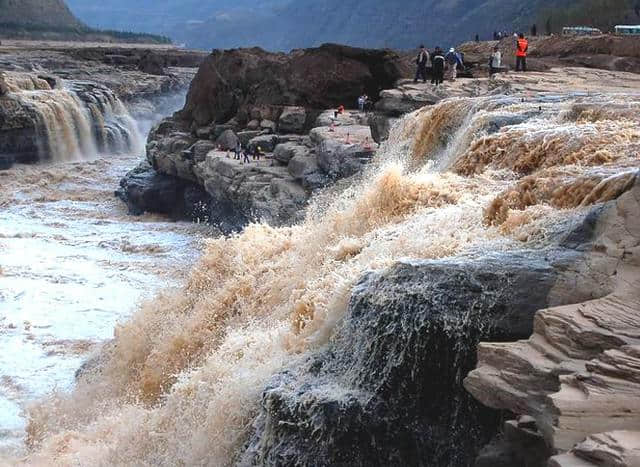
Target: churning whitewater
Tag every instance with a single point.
(180, 383)
(74, 264)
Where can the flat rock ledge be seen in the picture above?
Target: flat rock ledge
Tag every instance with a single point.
(578, 376)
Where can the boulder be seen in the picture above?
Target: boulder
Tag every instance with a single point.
(253, 125)
(227, 140)
(201, 148)
(284, 152)
(302, 165)
(266, 143)
(338, 160)
(380, 126)
(219, 129)
(292, 120)
(145, 190)
(246, 136)
(268, 125)
(233, 82)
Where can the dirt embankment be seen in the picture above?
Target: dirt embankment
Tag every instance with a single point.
(606, 52)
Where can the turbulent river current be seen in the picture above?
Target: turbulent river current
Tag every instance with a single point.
(73, 264)
(180, 384)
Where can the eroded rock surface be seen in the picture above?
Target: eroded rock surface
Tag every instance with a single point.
(577, 375)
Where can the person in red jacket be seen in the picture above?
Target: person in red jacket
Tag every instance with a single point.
(521, 53)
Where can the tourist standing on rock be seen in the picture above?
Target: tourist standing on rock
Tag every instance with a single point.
(453, 59)
(522, 47)
(495, 61)
(237, 151)
(246, 159)
(534, 30)
(422, 60)
(361, 101)
(340, 111)
(437, 64)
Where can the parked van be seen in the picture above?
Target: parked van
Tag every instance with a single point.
(581, 31)
(628, 30)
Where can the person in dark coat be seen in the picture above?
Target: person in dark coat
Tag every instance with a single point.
(422, 60)
(437, 64)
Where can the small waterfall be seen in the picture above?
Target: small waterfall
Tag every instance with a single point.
(80, 121)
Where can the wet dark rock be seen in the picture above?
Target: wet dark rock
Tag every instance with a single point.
(145, 190)
(18, 132)
(387, 390)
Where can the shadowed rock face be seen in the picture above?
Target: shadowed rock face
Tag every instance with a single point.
(388, 389)
(231, 83)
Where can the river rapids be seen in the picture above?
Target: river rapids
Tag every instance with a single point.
(181, 380)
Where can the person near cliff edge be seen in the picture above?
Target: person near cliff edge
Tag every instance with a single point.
(437, 64)
(422, 60)
(453, 60)
(237, 151)
(495, 61)
(522, 47)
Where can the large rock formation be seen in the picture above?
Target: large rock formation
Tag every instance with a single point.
(274, 189)
(267, 102)
(243, 83)
(577, 375)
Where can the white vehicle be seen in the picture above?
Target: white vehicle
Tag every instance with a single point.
(628, 30)
(581, 31)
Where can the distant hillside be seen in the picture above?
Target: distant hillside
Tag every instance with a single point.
(41, 13)
(52, 19)
(288, 24)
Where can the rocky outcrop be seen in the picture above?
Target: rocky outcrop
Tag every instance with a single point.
(145, 190)
(243, 82)
(577, 375)
(274, 189)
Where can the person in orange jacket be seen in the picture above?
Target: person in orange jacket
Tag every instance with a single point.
(521, 53)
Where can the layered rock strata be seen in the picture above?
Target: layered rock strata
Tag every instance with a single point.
(577, 375)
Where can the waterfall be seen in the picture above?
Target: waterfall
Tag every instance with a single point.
(81, 120)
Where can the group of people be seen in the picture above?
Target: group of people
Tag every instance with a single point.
(241, 153)
(440, 61)
(454, 60)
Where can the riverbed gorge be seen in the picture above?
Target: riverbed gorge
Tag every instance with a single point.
(451, 278)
